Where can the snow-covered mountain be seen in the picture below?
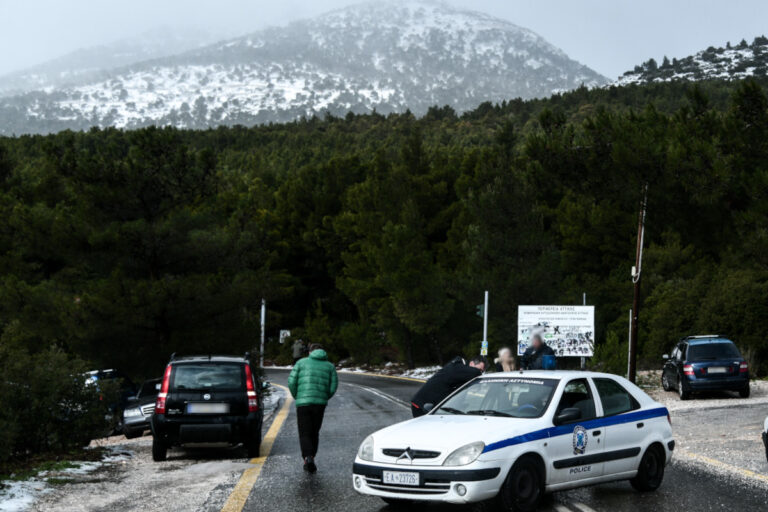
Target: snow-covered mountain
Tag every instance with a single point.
(389, 56)
(94, 63)
(731, 62)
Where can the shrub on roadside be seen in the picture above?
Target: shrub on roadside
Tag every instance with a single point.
(46, 404)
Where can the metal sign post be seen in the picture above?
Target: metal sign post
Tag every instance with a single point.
(583, 359)
(263, 325)
(484, 344)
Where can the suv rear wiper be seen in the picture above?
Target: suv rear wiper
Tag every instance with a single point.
(490, 412)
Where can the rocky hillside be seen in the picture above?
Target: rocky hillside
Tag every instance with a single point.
(729, 62)
(388, 56)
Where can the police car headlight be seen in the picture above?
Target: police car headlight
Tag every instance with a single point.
(465, 455)
(132, 413)
(366, 449)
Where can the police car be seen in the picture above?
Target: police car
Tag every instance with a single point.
(765, 437)
(516, 436)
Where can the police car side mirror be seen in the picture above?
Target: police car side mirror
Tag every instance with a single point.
(665, 357)
(428, 407)
(567, 415)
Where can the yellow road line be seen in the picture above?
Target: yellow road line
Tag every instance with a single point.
(722, 465)
(242, 490)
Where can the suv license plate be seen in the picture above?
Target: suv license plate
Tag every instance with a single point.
(207, 408)
(400, 478)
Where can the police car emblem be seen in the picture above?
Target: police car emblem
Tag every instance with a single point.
(579, 440)
(206, 396)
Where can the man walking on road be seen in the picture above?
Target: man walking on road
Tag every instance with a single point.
(533, 357)
(312, 383)
(450, 378)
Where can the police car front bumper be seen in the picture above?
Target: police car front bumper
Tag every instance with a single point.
(450, 485)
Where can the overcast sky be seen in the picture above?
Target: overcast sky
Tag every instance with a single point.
(610, 36)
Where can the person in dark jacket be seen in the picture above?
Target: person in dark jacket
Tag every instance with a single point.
(450, 378)
(533, 357)
(312, 382)
(298, 350)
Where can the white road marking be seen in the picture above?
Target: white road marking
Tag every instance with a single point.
(562, 508)
(383, 395)
(583, 507)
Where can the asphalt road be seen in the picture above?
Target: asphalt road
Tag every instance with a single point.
(363, 405)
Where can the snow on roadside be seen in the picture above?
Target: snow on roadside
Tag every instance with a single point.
(18, 495)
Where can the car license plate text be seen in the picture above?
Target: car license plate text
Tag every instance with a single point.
(716, 369)
(400, 478)
(207, 408)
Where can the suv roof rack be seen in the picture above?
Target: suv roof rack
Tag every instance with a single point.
(703, 336)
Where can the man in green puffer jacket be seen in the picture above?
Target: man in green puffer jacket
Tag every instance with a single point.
(312, 382)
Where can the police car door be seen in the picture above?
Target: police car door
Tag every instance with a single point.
(574, 447)
(625, 433)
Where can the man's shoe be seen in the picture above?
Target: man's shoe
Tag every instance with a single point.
(309, 464)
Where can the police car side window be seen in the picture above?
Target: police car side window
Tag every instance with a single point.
(577, 394)
(615, 399)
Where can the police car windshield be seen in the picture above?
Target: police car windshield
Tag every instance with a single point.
(512, 397)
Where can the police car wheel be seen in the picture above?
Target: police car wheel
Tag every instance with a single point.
(397, 503)
(159, 450)
(523, 488)
(650, 473)
(665, 382)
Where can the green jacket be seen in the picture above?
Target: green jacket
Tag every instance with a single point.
(313, 379)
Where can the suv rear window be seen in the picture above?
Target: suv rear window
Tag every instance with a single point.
(206, 376)
(711, 351)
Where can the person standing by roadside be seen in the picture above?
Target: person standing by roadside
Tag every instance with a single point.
(533, 357)
(312, 382)
(450, 378)
(505, 362)
(298, 350)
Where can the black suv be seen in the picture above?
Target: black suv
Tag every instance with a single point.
(705, 363)
(208, 399)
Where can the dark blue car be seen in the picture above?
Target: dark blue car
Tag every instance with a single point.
(705, 363)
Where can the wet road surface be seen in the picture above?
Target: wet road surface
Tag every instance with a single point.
(364, 404)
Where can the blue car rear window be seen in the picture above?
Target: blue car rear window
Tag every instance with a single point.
(713, 351)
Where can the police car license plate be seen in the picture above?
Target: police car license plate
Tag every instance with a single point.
(716, 369)
(207, 408)
(400, 478)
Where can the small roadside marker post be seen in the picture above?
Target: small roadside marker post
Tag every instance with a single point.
(263, 325)
(484, 344)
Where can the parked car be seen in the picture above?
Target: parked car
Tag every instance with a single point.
(765, 437)
(208, 399)
(516, 436)
(705, 363)
(126, 389)
(138, 411)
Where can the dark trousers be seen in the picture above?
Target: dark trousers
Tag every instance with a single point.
(310, 419)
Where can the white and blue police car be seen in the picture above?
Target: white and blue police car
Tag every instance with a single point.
(516, 436)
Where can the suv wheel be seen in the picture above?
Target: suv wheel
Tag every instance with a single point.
(744, 392)
(253, 447)
(159, 450)
(650, 473)
(682, 389)
(665, 382)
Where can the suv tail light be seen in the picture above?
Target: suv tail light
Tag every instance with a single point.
(163, 394)
(253, 400)
(743, 368)
(688, 370)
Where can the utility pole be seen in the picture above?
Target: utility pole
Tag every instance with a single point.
(263, 325)
(636, 273)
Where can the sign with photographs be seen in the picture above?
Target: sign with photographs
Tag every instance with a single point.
(568, 330)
